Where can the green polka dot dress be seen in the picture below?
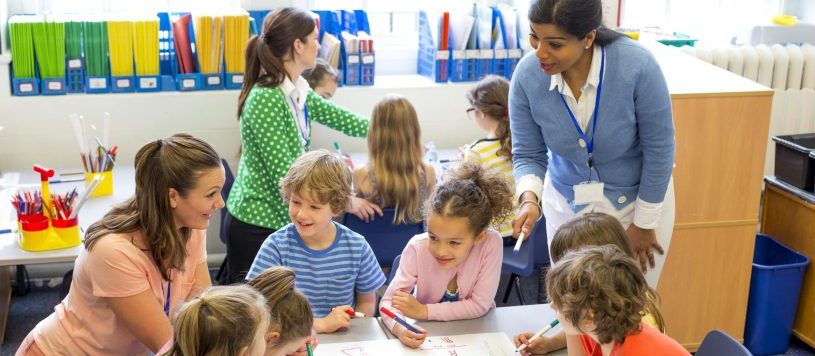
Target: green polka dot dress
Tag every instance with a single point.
(271, 142)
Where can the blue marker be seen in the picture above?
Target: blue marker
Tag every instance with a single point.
(399, 320)
(7, 231)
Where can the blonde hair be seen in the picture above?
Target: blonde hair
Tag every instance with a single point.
(490, 96)
(289, 309)
(176, 162)
(395, 152)
(322, 175)
(221, 321)
(597, 229)
(601, 284)
(471, 192)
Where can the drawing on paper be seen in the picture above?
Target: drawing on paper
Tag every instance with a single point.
(492, 344)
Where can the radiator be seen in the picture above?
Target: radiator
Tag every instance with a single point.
(789, 70)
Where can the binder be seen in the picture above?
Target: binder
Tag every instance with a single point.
(434, 56)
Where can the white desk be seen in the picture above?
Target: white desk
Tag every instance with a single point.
(362, 329)
(10, 252)
(509, 320)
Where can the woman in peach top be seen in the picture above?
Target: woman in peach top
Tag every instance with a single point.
(144, 258)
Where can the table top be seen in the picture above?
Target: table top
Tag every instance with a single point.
(362, 329)
(93, 210)
(509, 320)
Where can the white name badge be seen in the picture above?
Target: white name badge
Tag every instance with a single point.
(588, 192)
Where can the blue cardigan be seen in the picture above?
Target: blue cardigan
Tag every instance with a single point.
(634, 143)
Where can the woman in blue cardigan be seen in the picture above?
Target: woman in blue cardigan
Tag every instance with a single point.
(591, 124)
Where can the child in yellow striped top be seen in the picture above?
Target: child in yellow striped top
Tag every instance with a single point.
(488, 109)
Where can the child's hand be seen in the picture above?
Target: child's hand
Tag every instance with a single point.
(335, 320)
(409, 338)
(462, 152)
(364, 209)
(409, 306)
(540, 346)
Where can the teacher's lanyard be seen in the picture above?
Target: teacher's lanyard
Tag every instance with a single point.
(167, 295)
(589, 144)
(304, 130)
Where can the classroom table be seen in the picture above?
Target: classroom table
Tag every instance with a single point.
(362, 329)
(10, 252)
(509, 320)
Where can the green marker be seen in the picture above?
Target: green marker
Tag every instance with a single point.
(308, 349)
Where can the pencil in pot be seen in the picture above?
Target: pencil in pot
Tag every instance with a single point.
(539, 334)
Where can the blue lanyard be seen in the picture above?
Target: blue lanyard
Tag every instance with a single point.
(303, 130)
(589, 143)
(167, 296)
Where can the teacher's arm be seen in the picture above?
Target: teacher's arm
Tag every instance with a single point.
(144, 318)
(336, 117)
(529, 158)
(652, 104)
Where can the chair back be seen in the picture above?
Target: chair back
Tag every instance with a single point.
(386, 239)
(394, 267)
(718, 343)
(534, 253)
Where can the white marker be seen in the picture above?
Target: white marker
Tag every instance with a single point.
(539, 334)
(518, 244)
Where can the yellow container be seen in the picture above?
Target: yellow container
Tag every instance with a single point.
(105, 187)
(37, 233)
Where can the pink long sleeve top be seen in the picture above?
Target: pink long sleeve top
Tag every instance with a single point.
(477, 279)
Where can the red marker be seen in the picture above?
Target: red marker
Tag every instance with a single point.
(354, 314)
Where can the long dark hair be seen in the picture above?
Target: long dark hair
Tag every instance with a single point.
(576, 17)
(265, 52)
(175, 162)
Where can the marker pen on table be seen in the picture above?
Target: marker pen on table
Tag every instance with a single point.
(399, 320)
(539, 334)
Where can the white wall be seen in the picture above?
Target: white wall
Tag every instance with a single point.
(37, 129)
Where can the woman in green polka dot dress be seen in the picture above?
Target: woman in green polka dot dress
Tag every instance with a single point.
(275, 109)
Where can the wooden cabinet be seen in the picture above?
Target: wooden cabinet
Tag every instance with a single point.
(721, 124)
(788, 215)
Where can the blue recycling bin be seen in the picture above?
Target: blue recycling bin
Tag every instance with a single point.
(778, 272)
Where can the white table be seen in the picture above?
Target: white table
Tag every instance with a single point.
(10, 252)
(508, 320)
(362, 329)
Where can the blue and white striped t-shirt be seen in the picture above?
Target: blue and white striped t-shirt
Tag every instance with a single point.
(328, 277)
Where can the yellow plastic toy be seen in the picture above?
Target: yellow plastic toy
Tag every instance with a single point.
(785, 20)
(41, 233)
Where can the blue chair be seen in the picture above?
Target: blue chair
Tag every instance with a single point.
(534, 254)
(394, 268)
(387, 239)
(718, 343)
(230, 178)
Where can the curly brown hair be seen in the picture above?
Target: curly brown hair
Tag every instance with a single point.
(471, 192)
(319, 175)
(602, 284)
(597, 229)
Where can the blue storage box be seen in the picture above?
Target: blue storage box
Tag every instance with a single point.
(485, 59)
(148, 83)
(188, 81)
(501, 63)
(52, 86)
(122, 84)
(75, 75)
(234, 81)
(97, 85)
(367, 69)
(212, 81)
(25, 86)
(778, 272)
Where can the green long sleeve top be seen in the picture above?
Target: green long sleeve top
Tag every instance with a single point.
(271, 142)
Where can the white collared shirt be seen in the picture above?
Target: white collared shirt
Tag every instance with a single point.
(646, 215)
(296, 94)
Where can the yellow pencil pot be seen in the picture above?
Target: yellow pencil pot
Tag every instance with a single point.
(38, 234)
(105, 187)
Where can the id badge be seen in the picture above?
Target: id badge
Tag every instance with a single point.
(588, 192)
